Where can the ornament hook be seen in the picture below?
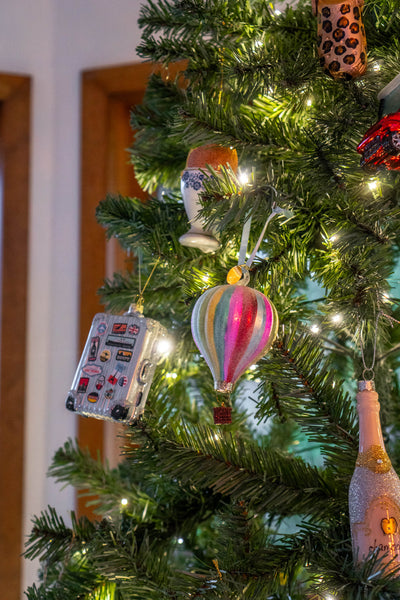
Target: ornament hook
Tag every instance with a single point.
(371, 368)
(370, 372)
(240, 274)
(140, 299)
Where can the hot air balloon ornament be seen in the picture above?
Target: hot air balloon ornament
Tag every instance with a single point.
(233, 326)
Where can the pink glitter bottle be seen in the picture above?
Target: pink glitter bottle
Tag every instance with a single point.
(374, 494)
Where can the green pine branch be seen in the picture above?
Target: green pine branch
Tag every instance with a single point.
(50, 538)
(308, 392)
(92, 478)
(271, 481)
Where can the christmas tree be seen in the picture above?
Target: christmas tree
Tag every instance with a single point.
(256, 508)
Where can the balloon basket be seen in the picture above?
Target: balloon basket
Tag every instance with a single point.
(222, 415)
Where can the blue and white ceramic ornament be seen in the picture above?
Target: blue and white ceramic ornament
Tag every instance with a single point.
(192, 185)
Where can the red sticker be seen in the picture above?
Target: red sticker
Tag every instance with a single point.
(100, 382)
(83, 385)
(119, 328)
(112, 379)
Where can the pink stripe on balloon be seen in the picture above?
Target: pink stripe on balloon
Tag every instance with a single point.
(233, 322)
(267, 329)
(242, 311)
(263, 322)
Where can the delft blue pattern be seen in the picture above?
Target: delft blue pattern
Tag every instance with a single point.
(193, 179)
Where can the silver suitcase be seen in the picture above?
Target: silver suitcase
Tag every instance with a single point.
(117, 366)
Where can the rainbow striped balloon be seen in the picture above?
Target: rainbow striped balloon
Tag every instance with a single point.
(233, 326)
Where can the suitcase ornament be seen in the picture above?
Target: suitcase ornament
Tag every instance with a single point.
(117, 366)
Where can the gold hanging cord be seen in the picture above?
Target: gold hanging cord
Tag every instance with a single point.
(140, 299)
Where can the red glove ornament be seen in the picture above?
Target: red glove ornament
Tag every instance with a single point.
(380, 146)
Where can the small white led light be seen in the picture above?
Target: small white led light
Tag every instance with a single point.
(372, 185)
(253, 368)
(309, 102)
(180, 540)
(124, 501)
(337, 318)
(164, 346)
(333, 238)
(376, 67)
(277, 12)
(314, 328)
(243, 177)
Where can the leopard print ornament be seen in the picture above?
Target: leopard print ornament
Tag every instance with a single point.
(342, 45)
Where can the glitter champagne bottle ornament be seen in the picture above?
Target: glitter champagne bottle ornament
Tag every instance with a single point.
(374, 494)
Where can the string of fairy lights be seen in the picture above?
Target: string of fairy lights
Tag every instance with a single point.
(244, 178)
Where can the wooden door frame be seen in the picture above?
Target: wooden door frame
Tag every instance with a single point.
(15, 101)
(102, 89)
(106, 93)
